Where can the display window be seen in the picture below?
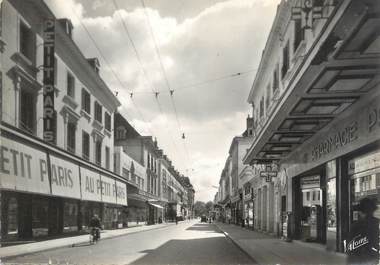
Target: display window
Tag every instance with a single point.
(70, 216)
(12, 214)
(40, 210)
(364, 174)
(331, 208)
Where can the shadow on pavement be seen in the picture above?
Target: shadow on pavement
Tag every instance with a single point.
(204, 227)
(215, 250)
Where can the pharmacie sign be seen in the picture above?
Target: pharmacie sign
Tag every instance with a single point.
(24, 168)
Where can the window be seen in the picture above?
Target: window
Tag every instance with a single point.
(98, 152)
(148, 161)
(85, 145)
(107, 157)
(133, 178)
(71, 128)
(307, 196)
(55, 71)
(298, 33)
(285, 60)
(142, 183)
(314, 195)
(262, 107)
(120, 133)
(268, 97)
(98, 112)
(70, 85)
(27, 111)
(27, 44)
(275, 84)
(107, 121)
(125, 173)
(86, 101)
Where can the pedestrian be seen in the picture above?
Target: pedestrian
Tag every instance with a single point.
(363, 244)
(176, 220)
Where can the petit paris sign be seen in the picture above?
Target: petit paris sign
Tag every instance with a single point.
(48, 82)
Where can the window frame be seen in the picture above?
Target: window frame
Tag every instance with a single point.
(71, 142)
(86, 101)
(84, 155)
(107, 121)
(70, 89)
(98, 111)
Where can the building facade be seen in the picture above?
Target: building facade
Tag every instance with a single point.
(315, 103)
(56, 123)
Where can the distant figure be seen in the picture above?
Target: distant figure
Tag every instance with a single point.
(363, 245)
(176, 220)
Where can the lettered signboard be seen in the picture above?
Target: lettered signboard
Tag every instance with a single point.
(108, 189)
(91, 185)
(121, 193)
(64, 178)
(23, 168)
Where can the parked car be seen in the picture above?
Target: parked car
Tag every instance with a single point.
(204, 219)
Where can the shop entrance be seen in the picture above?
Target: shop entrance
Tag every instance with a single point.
(310, 209)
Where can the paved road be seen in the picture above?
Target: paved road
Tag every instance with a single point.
(186, 243)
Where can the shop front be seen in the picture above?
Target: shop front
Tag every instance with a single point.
(45, 193)
(248, 206)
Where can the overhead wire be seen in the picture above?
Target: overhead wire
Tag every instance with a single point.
(108, 65)
(155, 92)
(164, 74)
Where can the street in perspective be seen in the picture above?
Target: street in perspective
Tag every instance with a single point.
(189, 132)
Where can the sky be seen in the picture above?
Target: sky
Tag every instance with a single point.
(205, 51)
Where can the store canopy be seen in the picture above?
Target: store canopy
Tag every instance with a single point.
(156, 205)
(336, 72)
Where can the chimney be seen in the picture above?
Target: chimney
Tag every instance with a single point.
(94, 62)
(67, 26)
(250, 124)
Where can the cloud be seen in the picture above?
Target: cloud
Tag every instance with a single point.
(223, 39)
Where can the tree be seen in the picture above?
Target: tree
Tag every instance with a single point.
(209, 206)
(199, 208)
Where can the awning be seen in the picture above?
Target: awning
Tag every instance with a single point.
(339, 69)
(156, 205)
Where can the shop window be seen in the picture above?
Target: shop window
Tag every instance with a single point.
(12, 214)
(86, 101)
(98, 112)
(27, 111)
(70, 85)
(107, 121)
(98, 152)
(85, 145)
(71, 128)
(27, 42)
(285, 60)
(70, 215)
(39, 213)
(107, 154)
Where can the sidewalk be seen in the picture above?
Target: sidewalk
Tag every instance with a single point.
(266, 249)
(18, 250)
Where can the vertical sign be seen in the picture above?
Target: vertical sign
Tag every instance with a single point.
(48, 81)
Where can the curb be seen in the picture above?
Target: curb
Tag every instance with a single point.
(237, 245)
(5, 257)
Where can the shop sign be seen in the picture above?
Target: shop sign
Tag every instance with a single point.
(64, 178)
(48, 81)
(108, 187)
(23, 168)
(364, 163)
(121, 193)
(90, 185)
(310, 182)
(336, 141)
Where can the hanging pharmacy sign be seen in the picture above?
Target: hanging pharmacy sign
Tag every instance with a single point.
(270, 172)
(49, 114)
